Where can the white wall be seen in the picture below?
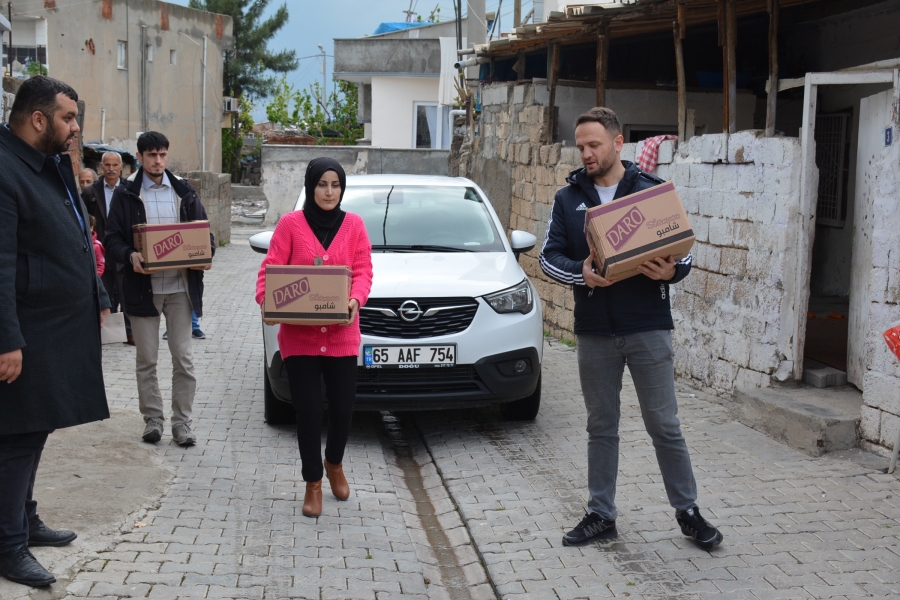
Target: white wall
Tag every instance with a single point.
(392, 108)
(645, 107)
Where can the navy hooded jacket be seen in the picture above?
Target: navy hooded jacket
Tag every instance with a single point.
(628, 306)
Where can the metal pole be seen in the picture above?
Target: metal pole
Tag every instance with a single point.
(203, 111)
(9, 57)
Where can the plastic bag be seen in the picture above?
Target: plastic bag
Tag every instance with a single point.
(892, 337)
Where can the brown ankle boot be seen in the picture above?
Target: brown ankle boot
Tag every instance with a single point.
(339, 486)
(312, 501)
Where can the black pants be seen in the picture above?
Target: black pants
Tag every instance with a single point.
(305, 375)
(20, 455)
(117, 298)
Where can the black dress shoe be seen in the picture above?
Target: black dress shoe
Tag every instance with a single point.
(20, 565)
(41, 535)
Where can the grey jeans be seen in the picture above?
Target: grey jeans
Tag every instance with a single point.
(601, 364)
(177, 310)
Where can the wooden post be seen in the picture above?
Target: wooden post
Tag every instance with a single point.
(690, 126)
(517, 13)
(730, 48)
(602, 64)
(678, 30)
(552, 79)
(721, 7)
(773, 68)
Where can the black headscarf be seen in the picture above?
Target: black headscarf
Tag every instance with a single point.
(324, 223)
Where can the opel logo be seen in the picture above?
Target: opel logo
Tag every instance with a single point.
(410, 311)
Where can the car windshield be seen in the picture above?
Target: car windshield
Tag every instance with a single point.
(424, 218)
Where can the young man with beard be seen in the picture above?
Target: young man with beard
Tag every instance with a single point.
(51, 310)
(618, 323)
(155, 195)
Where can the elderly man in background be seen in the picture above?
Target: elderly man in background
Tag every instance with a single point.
(52, 306)
(86, 178)
(97, 198)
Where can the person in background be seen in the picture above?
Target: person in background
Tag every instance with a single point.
(51, 371)
(98, 197)
(155, 195)
(320, 234)
(86, 178)
(98, 250)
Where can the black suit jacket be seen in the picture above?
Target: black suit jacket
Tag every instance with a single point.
(50, 295)
(94, 197)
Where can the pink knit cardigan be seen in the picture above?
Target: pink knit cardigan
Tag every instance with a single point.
(294, 243)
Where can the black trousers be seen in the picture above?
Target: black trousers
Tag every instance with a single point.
(20, 455)
(305, 374)
(117, 296)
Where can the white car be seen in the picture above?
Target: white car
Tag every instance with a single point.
(452, 320)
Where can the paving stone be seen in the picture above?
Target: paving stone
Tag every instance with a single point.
(504, 492)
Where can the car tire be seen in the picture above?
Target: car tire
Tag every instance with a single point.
(276, 411)
(525, 409)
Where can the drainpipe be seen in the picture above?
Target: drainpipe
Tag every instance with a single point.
(455, 113)
(102, 125)
(145, 101)
(203, 110)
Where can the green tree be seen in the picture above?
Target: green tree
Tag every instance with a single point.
(334, 119)
(251, 69)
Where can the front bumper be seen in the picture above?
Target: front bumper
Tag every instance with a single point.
(490, 380)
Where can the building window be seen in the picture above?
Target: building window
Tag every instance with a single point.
(173, 57)
(431, 125)
(122, 55)
(148, 52)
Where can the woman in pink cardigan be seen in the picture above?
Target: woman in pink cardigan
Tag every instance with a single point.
(322, 234)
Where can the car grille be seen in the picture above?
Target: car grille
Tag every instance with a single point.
(445, 322)
(461, 378)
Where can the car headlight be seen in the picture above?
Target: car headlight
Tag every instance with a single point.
(515, 299)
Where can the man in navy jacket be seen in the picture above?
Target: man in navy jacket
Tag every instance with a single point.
(618, 323)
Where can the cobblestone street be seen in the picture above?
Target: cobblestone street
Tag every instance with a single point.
(460, 504)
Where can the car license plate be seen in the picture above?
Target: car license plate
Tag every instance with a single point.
(409, 356)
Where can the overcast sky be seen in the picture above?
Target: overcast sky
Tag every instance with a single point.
(314, 22)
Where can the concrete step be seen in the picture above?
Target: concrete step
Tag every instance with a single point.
(811, 420)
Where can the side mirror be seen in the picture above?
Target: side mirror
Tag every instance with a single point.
(521, 242)
(260, 242)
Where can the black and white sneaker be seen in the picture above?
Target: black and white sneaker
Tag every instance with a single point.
(696, 527)
(592, 527)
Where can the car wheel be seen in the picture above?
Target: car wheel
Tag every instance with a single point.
(525, 409)
(276, 411)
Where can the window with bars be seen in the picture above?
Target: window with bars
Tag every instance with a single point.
(832, 159)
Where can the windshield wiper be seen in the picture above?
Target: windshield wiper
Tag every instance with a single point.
(420, 248)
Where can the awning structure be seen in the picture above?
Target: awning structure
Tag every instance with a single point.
(580, 23)
(598, 24)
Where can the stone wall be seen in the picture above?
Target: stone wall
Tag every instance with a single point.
(735, 312)
(284, 168)
(881, 395)
(215, 193)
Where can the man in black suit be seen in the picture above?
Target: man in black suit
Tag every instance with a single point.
(97, 197)
(52, 306)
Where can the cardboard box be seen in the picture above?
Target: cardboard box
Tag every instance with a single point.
(629, 231)
(307, 295)
(173, 245)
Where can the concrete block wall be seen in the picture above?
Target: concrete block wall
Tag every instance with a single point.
(881, 385)
(284, 168)
(215, 194)
(742, 194)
